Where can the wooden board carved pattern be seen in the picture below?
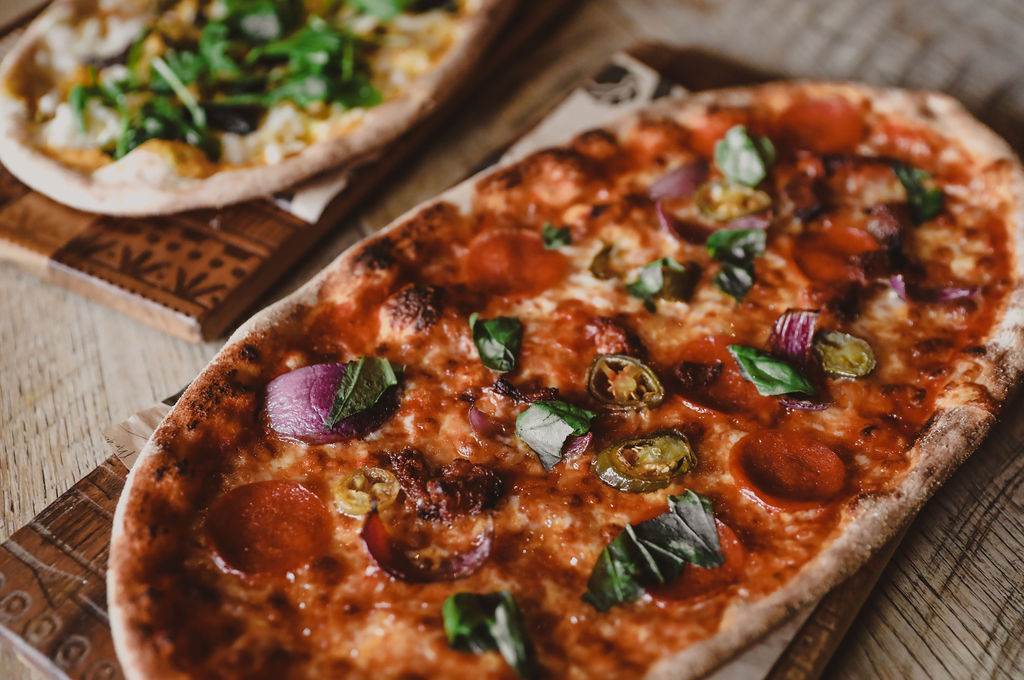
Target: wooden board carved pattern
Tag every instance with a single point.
(193, 274)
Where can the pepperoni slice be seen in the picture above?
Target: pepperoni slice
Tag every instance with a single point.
(513, 262)
(827, 255)
(726, 391)
(824, 125)
(268, 527)
(788, 470)
(696, 583)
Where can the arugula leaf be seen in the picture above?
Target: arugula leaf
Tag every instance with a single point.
(491, 621)
(655, 551)
(546, 425)
(385, 10)
(183, 93)
(555, 238)
(362, 386)
(214, 47)
(736, 250)
(186, 67)
(161, 118)
(771, 376)
(497, 341)
(742, 158)
(665, 279)
(924, 203)
(263, 20)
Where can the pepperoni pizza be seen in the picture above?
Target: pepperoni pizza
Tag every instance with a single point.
(615, 416)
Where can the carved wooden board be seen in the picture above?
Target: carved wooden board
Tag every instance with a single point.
(194, 274)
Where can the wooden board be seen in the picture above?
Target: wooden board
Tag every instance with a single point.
(194, 274)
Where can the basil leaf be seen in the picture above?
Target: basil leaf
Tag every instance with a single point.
(736, 250)
(555, 238)
(497, 341)
(546, 425)
(738, 246)
(744, 159)
(362, 386)
(771, 376)
(665, 279)
(491, 621)
(734, 280)
(655, 551)
(924, 203)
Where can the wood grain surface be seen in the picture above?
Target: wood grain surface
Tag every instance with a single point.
(949, 605)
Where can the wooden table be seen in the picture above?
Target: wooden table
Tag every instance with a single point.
(951, 604)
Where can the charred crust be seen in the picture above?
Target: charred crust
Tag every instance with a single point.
(415, 306)
(249, 352)
(375, 256)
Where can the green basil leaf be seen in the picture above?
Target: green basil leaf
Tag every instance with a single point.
(771, 376)
(362, 386)
(739, 246)
(665, 279)
(497, 341)
(546, 425)
(655, 551)
(555, 238)
(743, 159)
(736, 250)
(734, 280)
(491, 621)
(924, 203)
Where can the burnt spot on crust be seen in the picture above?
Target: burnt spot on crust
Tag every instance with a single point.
(375, 256)
(249, 352)
(459, 488)
(416, 307)
(613, 336)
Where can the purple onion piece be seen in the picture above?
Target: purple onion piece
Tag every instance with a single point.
(482, 423)
(577, 445)
(804, 404)
(691, 232)
(681, 182)
(792, 335)
(757, 221)
(917, 293)
(392, 557)
(299, 402)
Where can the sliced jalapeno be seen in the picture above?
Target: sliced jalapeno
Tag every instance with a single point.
(723, 200)
(646, 463)
(356, 492)
(844, 355)
(623, 382)
(601, 265)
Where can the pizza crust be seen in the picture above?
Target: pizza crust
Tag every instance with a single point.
(153, 190)
(965, 412)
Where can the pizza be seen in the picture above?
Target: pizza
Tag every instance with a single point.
(138, 107)
(613, 410)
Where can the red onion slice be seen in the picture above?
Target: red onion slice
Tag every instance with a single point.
(681, 182)
(792, 335)
(482, 423)
(299, 402)
(575, 445)
(757, 221)
(917, 293)
(391, 556)
(691, 232)
(804, 404)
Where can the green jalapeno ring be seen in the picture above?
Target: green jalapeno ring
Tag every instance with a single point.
(844, 355)
(722, 200)
(622, 382)
(647, 463)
